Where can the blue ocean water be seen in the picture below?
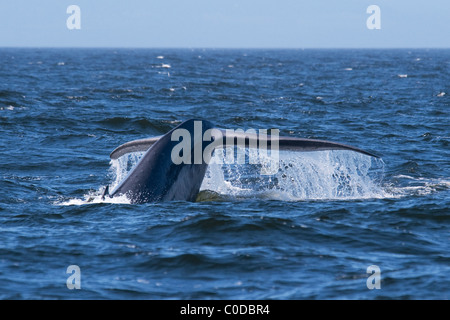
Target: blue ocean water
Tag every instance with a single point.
(309, 232)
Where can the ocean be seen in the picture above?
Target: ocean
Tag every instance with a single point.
(328, 225)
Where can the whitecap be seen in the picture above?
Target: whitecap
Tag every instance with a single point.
(407, 185)
(94, 198)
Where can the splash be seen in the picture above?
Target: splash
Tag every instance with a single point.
(119, 168)
(94, 197)
(321, 175)
(118, 171)
(404, 185)
(301, 176)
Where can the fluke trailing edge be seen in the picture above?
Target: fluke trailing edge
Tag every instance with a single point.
(174, 164)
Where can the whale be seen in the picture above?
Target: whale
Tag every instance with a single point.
(174, 165)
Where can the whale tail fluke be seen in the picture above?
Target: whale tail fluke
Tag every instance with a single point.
(166, 170)
(284, 143)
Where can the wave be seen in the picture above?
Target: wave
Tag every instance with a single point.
(405, 185)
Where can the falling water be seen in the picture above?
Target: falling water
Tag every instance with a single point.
(302, 176)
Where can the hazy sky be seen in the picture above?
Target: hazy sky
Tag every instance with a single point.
(225, 23)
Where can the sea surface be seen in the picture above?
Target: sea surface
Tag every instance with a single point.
(327, 225)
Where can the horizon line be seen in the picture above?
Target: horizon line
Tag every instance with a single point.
(222, 48)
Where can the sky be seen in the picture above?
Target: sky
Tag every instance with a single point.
(226, 24)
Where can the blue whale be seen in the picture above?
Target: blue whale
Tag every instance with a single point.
(157, 177)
